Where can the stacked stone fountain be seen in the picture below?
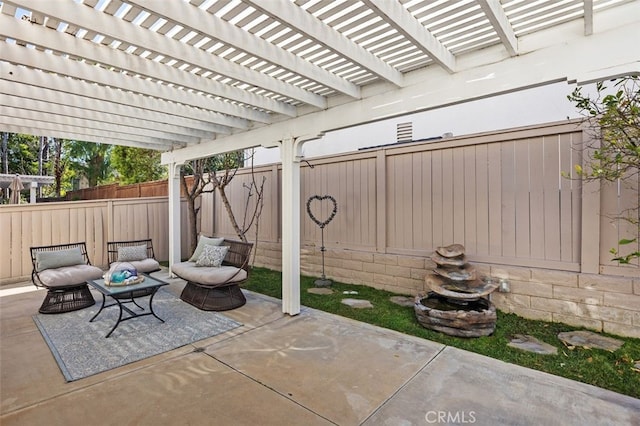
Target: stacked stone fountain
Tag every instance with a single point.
(458, 303)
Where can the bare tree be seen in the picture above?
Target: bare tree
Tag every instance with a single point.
(217, 173)
(202, 172)
(252, 214)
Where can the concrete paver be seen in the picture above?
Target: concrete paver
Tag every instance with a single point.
(342, 370)
(475, 389)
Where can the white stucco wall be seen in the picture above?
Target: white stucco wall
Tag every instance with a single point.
(532, 106)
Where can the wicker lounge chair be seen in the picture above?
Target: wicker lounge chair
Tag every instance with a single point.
(63, 270)
(217, 288)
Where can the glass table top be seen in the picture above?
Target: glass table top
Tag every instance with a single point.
(149, 282)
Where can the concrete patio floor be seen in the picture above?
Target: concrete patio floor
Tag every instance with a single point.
(311, 369)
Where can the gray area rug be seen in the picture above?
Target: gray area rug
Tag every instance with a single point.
(81, 350)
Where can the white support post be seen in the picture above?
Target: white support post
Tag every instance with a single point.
(32, 192)
(174, 215)
(290, 154)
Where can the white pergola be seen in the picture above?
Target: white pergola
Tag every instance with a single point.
(29, 181)
(194, 78)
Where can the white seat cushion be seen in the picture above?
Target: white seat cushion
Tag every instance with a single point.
(69, 275)
(208, 275)
(145, 265)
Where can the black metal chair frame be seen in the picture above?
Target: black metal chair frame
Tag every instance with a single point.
(223, 296)
(113, 246)
(62, 299)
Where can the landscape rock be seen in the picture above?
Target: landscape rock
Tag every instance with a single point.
(588, 339)
(448, 261)
(465, 273)
(454, 250)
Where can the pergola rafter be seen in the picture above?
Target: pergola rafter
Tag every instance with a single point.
(64, 114)
(317, 30)
(399, 18)
(93, 53)
(61, 130)
(200, 21)
(500, 22)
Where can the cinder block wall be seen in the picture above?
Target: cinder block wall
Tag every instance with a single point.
(598, 302)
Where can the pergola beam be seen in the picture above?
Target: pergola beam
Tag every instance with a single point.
(588, 17)
(495, 13)
(511, 74)
(400, 19)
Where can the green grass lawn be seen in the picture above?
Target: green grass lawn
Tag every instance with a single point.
(609, 370)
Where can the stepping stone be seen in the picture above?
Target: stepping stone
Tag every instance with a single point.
(588, 339)
(531, 344)
(403, 300)
(357, 303)
(320, 290)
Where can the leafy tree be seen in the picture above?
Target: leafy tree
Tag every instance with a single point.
(4, 152)
(135, 165)
(91, 160)
(22, 153)
(18, 154)
(613, 115)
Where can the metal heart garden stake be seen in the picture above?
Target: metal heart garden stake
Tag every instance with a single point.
(323, 281)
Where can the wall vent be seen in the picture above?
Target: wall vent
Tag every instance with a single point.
(404, 132)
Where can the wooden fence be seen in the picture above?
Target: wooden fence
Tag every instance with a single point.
(158, 188)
